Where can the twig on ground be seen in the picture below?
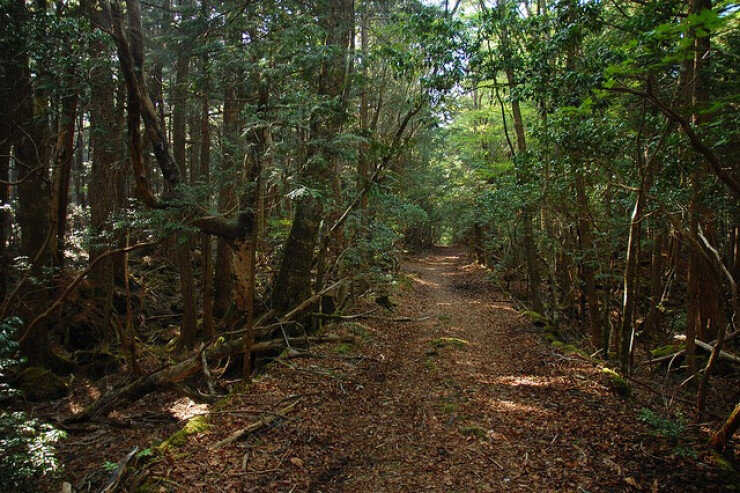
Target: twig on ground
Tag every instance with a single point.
(263, 422)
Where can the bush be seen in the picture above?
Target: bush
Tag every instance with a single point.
(27, 445)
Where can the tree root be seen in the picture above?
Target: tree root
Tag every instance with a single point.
(170, 376)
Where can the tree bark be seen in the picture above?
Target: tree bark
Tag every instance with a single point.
(204, 172)
(101, 193)
(181, 246)
(719, 440)
(585, 232)
(224, 283)
(31, 156)
(63, 156)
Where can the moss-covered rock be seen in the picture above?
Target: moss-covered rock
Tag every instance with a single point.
(195, 425)
(39, 384)
(617, 383)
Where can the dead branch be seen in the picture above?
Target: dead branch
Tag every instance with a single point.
(709, 348)
(263, 422)
(172, 375)
(682, 337)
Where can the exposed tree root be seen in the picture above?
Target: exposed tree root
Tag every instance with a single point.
(170, 376)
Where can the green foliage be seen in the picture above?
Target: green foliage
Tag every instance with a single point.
(27, 445)
(668, 428)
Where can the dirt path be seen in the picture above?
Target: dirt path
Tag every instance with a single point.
(470, 399)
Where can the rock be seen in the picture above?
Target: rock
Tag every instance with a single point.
(39, 384)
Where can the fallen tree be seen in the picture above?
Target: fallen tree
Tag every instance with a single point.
(171, 375)
(168, 377)
(724, 355)
(700, 344)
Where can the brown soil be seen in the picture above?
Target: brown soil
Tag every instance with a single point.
(471, 398)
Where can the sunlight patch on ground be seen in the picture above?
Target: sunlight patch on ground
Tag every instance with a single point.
(528, 380)
(514, 407)
(186, 408)
(426, 282)
(524, 381)
(92, 392)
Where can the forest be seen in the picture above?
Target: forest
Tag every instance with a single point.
(370, 245)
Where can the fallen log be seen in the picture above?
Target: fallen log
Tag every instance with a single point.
(708, 347)
(700, 344)
(170, 376)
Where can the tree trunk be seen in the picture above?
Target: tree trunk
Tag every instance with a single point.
(32, 161)
(101, 193)
(293, 282)
(585, 231)
(654, 319)
(719, 440)
(224, 283)
(182, 256)
(63, 156)
(205, 173)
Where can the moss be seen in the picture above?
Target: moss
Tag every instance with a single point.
(441, 342)
(448, 407)
(238, 389)
(195, 425)
(617, 383)
(363, 331)
(472, 430)
(570, 348)
(666, 350)
(575, 349)
(536, 318)
(728, 471)
(39, 384)
(343, 348)
(550, 337)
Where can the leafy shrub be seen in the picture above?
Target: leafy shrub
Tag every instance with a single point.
(26, 444)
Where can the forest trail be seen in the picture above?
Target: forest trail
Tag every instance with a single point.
(491, 408)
